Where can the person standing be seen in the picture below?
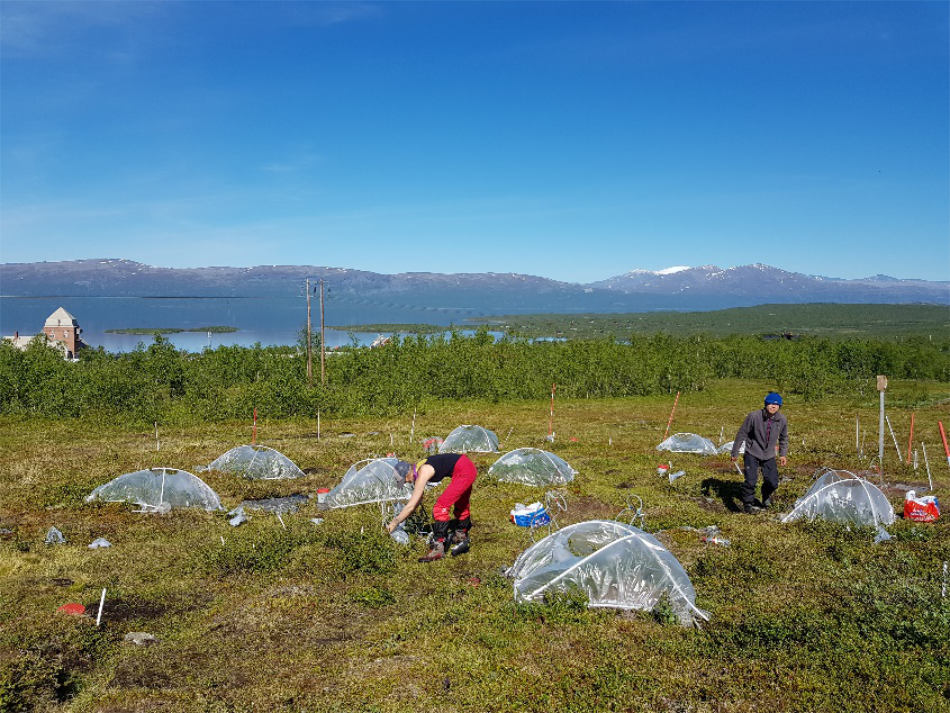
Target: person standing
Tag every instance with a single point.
(765, 434)
(462, 472)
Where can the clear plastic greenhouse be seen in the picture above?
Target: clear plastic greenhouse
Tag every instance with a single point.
(474, 439)
(616, 565)
(688, 443)
(532, 466)
(256, 463)
(158, 489)
(375, 480)
(841, 496)
(726, 448)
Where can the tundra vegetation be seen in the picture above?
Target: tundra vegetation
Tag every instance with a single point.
(293, 616)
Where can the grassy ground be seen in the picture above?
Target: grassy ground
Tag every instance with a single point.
(337, 617)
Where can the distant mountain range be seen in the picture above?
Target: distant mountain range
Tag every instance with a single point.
(681, 287)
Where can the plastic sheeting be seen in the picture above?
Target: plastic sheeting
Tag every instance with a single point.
(688, 443)
(615, 564)
(375, 480)
(256, 463)
(726, 448)
(532, 466)
(474, 439)
(158, 489)
(841, 496)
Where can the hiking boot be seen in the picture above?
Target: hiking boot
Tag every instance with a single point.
(436, 552)
(751, 509)
(767, 503)
(460, 548)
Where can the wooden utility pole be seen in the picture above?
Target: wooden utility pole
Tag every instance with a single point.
(323, 348)
(309, 345)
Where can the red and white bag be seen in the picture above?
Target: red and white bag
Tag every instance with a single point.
(922, 509)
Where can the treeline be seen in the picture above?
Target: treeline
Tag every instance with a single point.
(158, 382)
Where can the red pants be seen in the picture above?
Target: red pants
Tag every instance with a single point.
(457, 493)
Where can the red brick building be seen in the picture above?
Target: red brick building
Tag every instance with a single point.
(61, 330)
(61, 326)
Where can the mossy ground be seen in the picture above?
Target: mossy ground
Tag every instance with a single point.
(337, 617)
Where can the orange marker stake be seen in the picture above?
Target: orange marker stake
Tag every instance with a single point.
(943, 435)
(670, 422)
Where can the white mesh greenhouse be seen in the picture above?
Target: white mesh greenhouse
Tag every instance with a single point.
(688, 443)
(256, 463)
(532, 466)
(474, 439)
(375, 480)
(841, 496)
(158, 489)
(615, 564)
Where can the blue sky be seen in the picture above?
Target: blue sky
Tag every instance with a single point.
(570, 140)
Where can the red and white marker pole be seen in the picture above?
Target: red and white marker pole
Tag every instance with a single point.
(670, 422)
(943, 435)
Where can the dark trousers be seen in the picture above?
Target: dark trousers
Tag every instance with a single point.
(769, 478)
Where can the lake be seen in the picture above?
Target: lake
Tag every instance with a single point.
(268, 320)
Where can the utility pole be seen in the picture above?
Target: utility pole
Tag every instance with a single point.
(309, 346)
(323, 348)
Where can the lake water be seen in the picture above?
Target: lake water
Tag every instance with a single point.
(268, 320)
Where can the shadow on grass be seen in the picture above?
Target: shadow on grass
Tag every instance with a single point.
(729, 491)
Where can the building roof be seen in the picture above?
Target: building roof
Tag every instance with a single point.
(61, 318)
(20, 341)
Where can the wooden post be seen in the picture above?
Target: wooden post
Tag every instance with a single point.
(910, 441)
(670, 422)
(551, 422)
(309, 345)
(254, 429)
(323, 341)
(881, 387)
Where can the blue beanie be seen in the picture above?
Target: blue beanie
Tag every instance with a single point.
(773, 398)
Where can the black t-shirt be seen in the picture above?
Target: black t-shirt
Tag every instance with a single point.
(444, 464)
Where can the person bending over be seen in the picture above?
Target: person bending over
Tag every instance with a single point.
(462, 472)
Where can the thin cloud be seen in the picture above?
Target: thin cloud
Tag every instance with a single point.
(49, 29)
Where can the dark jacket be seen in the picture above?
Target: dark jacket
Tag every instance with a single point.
(761, 433)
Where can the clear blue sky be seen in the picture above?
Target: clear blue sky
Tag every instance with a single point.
(570, 140)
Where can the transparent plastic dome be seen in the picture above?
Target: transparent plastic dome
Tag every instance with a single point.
(841, 496)
(256, 463)
(375, 480)
(688, 443)
(614, 564)
(532, 466)
(158, 489)
(473, 439)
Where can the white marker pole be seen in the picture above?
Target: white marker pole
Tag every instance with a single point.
(927, 463)
(102, 601)
(894, 438)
